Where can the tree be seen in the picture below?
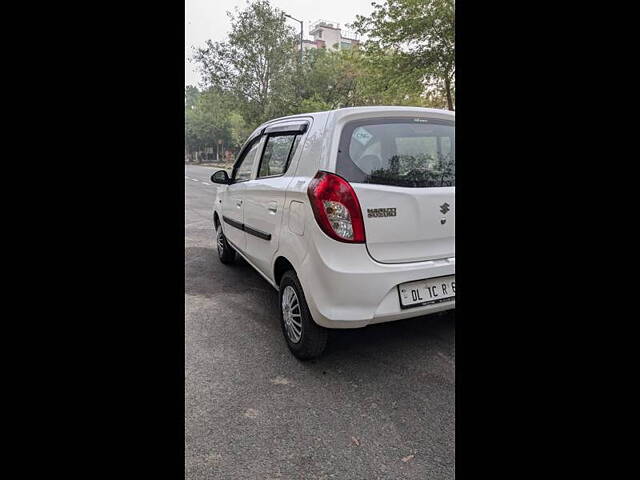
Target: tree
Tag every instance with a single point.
(238, 129)
(421, 36)
(191, 95)
(210, 118)
(350, 78)
(324, 81)
(260, 50)
(385, 81)
(257, 75)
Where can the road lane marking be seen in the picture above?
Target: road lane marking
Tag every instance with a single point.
(195, 180)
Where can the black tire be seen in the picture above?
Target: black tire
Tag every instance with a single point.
(313, 337)
(226, 254)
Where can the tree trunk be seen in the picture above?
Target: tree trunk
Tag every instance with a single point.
(447, 87)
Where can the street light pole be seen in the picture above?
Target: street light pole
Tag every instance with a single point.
(300, 22)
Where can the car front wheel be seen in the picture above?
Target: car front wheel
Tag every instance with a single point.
(304, 337)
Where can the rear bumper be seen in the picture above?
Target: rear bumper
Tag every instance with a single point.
(346, 288)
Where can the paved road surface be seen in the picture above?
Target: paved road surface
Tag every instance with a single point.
(378, 405)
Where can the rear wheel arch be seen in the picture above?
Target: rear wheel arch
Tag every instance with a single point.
(216, 220)
(280, 267)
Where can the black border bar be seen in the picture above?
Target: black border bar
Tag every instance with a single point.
(246, 228)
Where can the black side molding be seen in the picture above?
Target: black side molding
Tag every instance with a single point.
(233, 223)
(246, 228)
(257, 233)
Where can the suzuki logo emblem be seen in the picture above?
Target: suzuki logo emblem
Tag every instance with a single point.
(444, 208)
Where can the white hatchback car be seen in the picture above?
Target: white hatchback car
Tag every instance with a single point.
(349, 214)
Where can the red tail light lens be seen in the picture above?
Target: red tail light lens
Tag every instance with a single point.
(336, 208)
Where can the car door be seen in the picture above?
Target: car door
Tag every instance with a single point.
(265, 194)
(233, 198)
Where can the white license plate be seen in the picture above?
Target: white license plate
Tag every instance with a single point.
(426, 292)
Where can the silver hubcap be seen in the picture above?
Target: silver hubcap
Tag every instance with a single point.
(291, 314)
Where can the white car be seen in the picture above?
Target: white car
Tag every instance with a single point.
(349, 214)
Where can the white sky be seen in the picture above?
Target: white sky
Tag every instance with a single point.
(207, 19)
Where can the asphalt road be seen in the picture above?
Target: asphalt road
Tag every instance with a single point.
(380, 403)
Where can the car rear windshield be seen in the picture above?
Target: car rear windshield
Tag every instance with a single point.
(405, 152)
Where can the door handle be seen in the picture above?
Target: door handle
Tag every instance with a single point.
(272, 207)
(238, 203)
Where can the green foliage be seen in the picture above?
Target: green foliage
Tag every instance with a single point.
(351, 78)
(260, 52)
(239, 130)
(191, 95)
(421, 34)
(257, 74)
(209, 118)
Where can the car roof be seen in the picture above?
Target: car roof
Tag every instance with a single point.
(340, 112)
(352, 110)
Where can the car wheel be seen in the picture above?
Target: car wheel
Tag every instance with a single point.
(305, 338)
(226, 254)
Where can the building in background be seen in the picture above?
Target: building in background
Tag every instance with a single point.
(329, 35)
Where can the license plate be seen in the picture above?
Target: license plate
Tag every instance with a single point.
(427, 292)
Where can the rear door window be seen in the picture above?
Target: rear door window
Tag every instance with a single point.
(406, 152)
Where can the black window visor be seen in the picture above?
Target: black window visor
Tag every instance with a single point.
(292, 128)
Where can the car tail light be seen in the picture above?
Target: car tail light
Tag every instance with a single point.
(336, 208)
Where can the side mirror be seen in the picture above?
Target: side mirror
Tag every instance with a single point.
(220, 177)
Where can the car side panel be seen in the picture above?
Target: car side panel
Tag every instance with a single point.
(264, 208)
